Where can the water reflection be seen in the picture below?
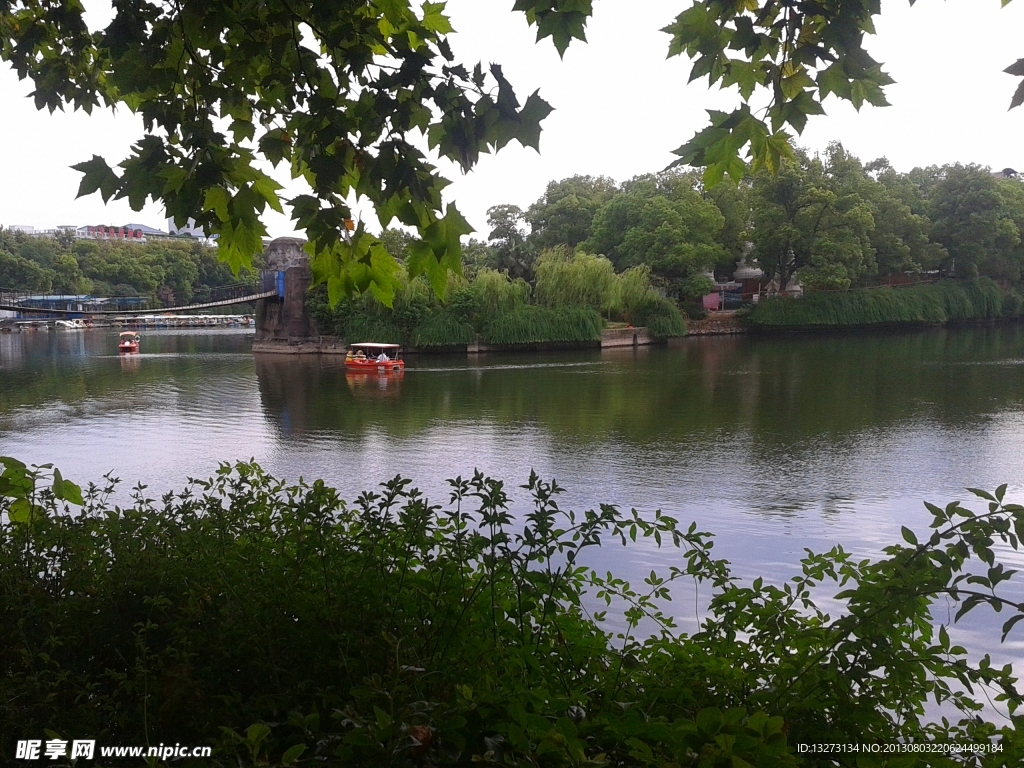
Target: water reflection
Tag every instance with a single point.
(787, 399)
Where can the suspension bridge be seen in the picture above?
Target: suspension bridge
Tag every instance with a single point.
(269, 285)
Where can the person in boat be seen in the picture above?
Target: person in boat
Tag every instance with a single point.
(360, 355)
(383, 357)
(349, 356)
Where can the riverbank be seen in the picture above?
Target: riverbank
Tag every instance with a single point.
(334, 345)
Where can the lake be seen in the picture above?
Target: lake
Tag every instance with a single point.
(773, 443)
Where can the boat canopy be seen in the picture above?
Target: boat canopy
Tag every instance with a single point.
(373, 345)
(122, 334)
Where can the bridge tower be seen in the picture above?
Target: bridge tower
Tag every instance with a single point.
(283, 322)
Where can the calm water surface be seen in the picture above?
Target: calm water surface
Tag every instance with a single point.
(774, 444)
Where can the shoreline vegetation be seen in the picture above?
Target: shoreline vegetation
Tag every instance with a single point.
(573, 297)
(843, 232)
(938, 303)
(282, 626)
(498, 311)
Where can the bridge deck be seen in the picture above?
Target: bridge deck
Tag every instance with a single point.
(138, 312)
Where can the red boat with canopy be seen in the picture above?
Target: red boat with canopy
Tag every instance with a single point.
(128, 341)
(370, 357)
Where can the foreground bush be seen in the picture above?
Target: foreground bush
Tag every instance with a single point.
(940, 302)
(284, 626)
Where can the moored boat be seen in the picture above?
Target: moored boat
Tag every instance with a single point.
(128, 341)
(370, 357)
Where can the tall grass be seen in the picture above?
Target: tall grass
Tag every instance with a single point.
(933, 303)
(361, 328)
(532, 324)
(443, 328)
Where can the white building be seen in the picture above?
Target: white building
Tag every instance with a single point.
(189, 229)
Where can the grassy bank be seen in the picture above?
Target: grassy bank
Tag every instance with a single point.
(282, 626)
(942, 302)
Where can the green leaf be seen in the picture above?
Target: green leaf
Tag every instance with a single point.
(292, 754)
(746, 75)
(20, 511)
(709, 721)
(908, 535)
(73, 494)
(98, 176)
(217, 200)
(1018, 97)
(530, 117)
(1008, 625)
(256, 733)
(267, 188)
(1016, 69)
(434, 18)
(65, 490)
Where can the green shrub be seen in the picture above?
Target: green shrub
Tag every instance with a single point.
(268, 619)
(532, 324)
(661, 316)
(932, 303)
(693, 310)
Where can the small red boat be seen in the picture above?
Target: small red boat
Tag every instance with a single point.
(369, 357)
(127, 342)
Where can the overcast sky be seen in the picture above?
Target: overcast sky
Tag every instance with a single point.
(621, 107)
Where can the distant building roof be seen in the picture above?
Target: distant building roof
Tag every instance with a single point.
(1006, 173)
(148, 230)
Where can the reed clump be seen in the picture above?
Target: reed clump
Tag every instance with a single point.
(443, 328)
(530, 324)
(933, 303)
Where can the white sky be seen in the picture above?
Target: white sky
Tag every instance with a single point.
(621, 107)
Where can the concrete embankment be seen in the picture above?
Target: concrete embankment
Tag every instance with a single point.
(717, 324)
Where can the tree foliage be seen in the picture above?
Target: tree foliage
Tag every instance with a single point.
(511, 251)
(978, 221)
(661, 221)
(177, 271)
(339, 93)
(792, 54)
(809, 219)
(336, 91)
(564, 215)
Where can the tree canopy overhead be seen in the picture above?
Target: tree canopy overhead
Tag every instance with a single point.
(341, 92)
(338, 91)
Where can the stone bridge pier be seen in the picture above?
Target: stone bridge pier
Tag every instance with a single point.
(282, 322)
